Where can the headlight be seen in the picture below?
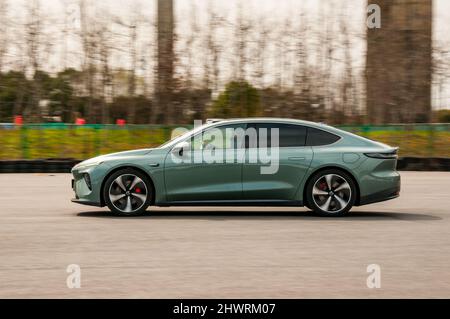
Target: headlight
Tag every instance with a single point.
(89, 165)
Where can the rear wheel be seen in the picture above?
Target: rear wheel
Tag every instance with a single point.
(331, 193)
(128, 192)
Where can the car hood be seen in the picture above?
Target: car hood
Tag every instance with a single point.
(112, 156)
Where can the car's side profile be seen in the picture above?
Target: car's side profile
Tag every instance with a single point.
(274, 162)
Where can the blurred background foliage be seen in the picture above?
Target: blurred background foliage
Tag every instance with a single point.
(239, 100)
(170, 62)
(162, 63)
(81, 142)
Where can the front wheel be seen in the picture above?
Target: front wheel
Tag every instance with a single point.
(128, 192)
(331, 193)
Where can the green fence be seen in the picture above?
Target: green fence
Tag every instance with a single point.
(33, 141)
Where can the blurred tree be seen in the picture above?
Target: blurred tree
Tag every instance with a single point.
(11, 93)
(304, 105)
(120, 108)
(240, 99)
(443, 116)
(63, 92)
(60, 94)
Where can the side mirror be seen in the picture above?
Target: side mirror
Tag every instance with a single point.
(181, 148)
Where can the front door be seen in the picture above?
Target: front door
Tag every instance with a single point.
(206, 175)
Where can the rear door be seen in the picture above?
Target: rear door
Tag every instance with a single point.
(294, 159)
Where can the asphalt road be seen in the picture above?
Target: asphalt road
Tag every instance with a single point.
(222, 252)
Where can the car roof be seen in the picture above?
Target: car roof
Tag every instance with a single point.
(321, 126)
(270, 119)
(351, 138)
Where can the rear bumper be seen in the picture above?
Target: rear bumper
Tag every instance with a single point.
(378, 181)
(382, 196)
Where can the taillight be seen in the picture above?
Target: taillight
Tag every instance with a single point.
(383, 155)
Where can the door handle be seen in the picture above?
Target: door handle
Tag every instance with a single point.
(297, 158)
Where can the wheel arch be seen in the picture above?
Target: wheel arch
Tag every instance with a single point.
(324, 168)
(116, 169)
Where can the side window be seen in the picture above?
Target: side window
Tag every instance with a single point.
(290, 135)
(221, 137)
(318, 137)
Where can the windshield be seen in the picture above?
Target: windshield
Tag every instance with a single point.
(182, 137)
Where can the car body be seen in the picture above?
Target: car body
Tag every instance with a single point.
(319, 166)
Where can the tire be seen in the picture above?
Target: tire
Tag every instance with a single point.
(128, 192)
(334, 202)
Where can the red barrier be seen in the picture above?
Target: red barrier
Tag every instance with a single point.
(121, 122)
(18, 120)
(80, 121)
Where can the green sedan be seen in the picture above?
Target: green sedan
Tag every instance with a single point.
(244, 162)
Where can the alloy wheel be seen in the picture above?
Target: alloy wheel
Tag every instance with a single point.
(128, 193)
(332, 193)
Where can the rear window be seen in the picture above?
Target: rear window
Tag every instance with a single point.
(320, 138)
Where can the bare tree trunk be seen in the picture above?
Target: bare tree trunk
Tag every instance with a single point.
(241, 30)
(33, 37)
(215, 54)
(301, 77)
(209, 46)
(3, 37)
(261, 49)
(88, 59)
(132, 73)
(3, 31)
(132, 26)
(18, 108)
(104, 53)
(347, 83)
(165, 69)
(327, 63)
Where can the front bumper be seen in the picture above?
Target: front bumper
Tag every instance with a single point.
(87, 194)
(85, 202)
